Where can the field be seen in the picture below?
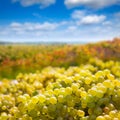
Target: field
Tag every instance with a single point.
(29, 58)
(60, 82)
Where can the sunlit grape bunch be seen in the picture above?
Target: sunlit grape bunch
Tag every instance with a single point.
(86, 92)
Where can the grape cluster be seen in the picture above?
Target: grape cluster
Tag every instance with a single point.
(76, 93)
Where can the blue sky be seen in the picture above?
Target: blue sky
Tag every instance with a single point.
(59, 20)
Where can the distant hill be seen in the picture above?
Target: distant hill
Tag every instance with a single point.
(5, 42)
(40, 43)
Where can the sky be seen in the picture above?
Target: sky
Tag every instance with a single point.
(59, 20)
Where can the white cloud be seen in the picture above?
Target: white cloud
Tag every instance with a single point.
(63, 31)
(46, 26)
(42, 3)
(82, 17)
(15, 24)
(92, 19)
(77, 14)
(71, 28)
(30, 31)
(90, 3)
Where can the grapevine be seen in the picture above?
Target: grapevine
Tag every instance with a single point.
(86, 92)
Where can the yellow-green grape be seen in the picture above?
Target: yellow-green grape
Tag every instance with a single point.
(83, 93)
(4, 116)
(13, 110)
(42, 98)
(107, 117)
(50, 92)
(53, 100)
(115, 118)
(118, 114)
(110, 77)
(21, 98)
(99, 94)
(68, 90)
(102, 88)
(61, 98)
(108, 84)
(56, 91)
(37, 85)
(57, 84)
(35, 99)
(30, 105)
(90, 111)
(75, 87)
(116, 83)
(27, 96)
(99, 74)
(113, 113)
(80, 113)
(100, 118)
(106, 71)
(4, 107)
(88, 80)
(92, 91)
(84, 118)
(62, 91)
(78, 93)
(26, 117)
(77, 77)
(70, 103)
(98, 110)
(111, 106)
(45, 109)
(0, 104)
(68, 80)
